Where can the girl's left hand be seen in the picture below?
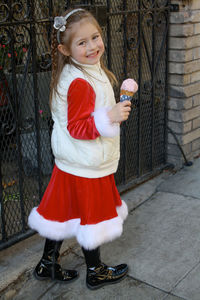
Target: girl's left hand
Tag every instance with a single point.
(120, 112)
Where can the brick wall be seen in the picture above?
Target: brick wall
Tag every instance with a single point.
(184, 81)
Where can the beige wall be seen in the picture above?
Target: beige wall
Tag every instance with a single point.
(184, 81)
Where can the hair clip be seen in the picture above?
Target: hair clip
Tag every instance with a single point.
(60, 22)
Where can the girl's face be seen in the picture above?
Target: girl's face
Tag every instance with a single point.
(87, 46)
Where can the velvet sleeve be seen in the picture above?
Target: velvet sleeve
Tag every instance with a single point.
(81, 103)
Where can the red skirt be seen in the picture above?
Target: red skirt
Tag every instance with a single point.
(75, 206)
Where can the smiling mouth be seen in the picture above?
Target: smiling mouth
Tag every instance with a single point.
(93, 54)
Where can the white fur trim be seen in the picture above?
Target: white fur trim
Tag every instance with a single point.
(92, 236)
(52, 229)
(88, 236)
(122, 210)
(103, 124)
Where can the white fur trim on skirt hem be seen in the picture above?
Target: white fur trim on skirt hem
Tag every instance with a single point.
(88, 236)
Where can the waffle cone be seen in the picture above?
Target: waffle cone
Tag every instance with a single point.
(127, 93)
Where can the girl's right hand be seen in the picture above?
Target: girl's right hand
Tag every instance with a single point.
(120, 112)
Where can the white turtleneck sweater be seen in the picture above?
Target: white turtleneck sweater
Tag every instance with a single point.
(84, 142)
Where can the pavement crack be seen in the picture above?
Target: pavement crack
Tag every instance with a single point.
(177, 297)
(146, 283)
(182, 278)
(155, 287)
(140, 204)
(46, 291)
(179, 194)
(16, 284)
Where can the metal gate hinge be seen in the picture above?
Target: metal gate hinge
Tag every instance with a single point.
(174, 7)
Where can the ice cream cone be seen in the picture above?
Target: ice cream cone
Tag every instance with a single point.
(128, 88)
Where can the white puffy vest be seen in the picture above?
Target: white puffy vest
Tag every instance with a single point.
(85, 158)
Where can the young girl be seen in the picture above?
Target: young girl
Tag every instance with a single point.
(81, 199)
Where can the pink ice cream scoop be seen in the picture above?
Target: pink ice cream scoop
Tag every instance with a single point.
(128, 88)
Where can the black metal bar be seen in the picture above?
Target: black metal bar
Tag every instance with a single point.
(3, 230)
(28, 2)
(50, 8)
(153, 74)
(36, 102)
(147, 50)
(124, 125)
(139, 85)
(125, 40)
(162, 45)
(68, 3)
(166, 84)
(22, 87)
(108, 46)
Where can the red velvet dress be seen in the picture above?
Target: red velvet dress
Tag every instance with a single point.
(71, 203)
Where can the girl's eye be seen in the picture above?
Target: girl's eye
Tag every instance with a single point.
(96, 37)
(81, 43)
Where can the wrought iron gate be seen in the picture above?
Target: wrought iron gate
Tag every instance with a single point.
(135, 34)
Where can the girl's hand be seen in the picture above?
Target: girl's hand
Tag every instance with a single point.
(120, 112)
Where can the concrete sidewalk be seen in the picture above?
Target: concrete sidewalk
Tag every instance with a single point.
(160, 243)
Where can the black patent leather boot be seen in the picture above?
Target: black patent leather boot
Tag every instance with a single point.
(99, 274)
(48, 267)
(102, 275)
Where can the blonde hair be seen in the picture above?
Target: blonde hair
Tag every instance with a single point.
(59, 60)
